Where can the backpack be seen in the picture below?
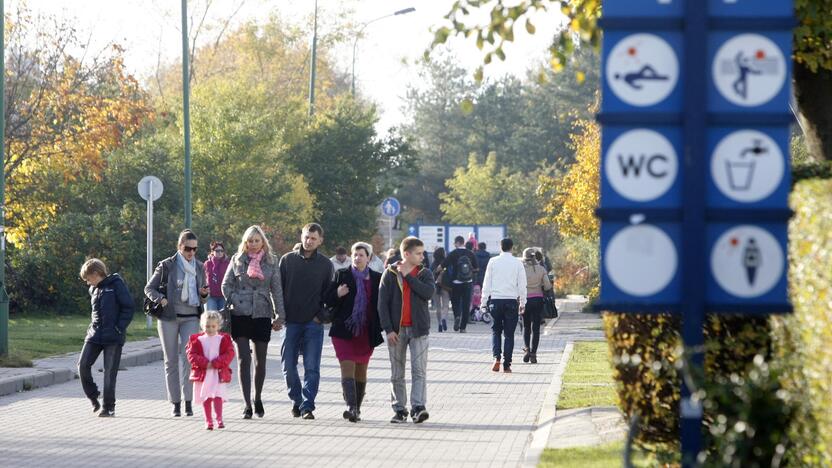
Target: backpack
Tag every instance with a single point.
(464, 270)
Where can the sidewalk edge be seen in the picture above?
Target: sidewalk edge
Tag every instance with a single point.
(548, 412)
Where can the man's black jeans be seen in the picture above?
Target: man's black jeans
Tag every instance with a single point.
(461, 302)
(505, 315)
(112, 359)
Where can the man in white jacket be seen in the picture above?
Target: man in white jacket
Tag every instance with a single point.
(504, 288)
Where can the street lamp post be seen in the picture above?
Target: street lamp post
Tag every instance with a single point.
(186, 116)
(4, 298)
(358, 36)
(313, 62)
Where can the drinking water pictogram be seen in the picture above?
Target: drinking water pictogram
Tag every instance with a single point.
(747, 166)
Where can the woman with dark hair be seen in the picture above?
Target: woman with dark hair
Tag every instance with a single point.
(215, 268)
(253, 288)
(355, 329)
(181, 295)
(442, 296)
(537, 283)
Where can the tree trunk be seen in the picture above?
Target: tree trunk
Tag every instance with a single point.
(814, 98)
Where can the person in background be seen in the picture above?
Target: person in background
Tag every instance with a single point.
(537, 283)
(355, 329)
(376, 264)
(462, 266)
(482, 260)
(340, 260)
(215, 268)
(442, 298)
(393, 256)
(505, 289)
(542, 260)
(112, 312)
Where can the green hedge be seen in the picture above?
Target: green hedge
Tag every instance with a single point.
(803, 341)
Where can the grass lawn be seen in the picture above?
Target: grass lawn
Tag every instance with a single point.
(40, 335)
(600, 456)
(588, 377)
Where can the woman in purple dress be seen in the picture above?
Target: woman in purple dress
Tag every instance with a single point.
(355, 329)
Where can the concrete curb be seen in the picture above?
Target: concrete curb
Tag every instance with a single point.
(548, 412)
(60, 369)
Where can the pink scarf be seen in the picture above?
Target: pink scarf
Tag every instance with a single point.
(254, 270)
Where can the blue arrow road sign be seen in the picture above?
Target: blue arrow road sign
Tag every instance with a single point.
(391, 207)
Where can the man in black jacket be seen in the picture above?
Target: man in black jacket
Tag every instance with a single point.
(305, 276)
(112, 312)
(463, 267)
(406, 287)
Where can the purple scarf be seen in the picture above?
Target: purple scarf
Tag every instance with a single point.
(359, 308)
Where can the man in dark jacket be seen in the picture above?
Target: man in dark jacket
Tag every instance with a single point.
(112, 311)
(406, 287)
(482, 261)
(462, 265)
(305, 274)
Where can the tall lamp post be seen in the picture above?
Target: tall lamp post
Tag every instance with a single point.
(313, 62)
(186, 116)
(4, 298)
(358, 36)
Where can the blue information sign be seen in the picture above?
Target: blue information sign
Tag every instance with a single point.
(391, 207)
(695, 164)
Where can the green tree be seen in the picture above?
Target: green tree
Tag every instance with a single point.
(349, 169)
(485, 193)
(812, 48)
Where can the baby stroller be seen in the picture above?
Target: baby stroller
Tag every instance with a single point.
(478, 312)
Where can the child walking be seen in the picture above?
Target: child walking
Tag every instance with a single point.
(210, 354)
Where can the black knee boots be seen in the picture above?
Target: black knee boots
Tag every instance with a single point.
(351, 399)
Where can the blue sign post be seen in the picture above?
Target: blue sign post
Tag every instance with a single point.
(695, 165)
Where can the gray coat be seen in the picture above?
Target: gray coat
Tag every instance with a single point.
(250, 296)
(174, 293)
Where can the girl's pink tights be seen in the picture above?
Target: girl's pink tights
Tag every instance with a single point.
(206, 406)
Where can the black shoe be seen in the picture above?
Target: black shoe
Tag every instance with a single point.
(106, 413)
(462, 330)
(306, 414)
(95, 404)
(526, 355)
(258, 408)
(534, 358)
(419, 414)
(456, 323)
(295, 411)
(189, 411)
(177, 410)
(399, 418)
(360, 391)
(247, 412)
(440, 328)
(444, 325)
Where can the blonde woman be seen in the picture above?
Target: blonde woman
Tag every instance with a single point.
(253, 289)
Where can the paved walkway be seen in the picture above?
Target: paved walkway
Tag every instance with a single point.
(478, 417)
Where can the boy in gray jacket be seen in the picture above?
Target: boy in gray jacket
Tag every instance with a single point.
(406, 287)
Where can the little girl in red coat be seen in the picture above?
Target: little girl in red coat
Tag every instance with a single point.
(210, 354)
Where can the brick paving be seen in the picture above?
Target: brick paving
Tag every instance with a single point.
(478, 417)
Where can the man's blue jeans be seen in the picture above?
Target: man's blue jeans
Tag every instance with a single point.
(310, 336)
(505, 322)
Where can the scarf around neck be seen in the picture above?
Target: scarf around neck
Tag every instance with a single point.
(189, 295)
(355, 323)
(254, 270)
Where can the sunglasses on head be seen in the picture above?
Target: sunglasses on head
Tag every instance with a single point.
(189, 249)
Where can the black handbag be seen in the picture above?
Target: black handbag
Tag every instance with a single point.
(550, 309)
(153, 308)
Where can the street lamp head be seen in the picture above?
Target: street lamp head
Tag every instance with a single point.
(405, 11)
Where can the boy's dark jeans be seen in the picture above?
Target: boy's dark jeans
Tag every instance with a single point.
(505, 315)
(112, 359)
(461, 302)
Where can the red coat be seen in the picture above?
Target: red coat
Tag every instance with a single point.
(199, 363)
